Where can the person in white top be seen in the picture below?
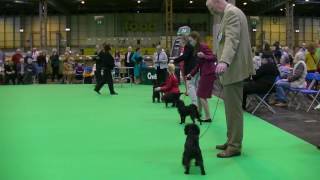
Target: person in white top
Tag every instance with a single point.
(160, 60)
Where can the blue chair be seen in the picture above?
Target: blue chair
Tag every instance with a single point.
(314, 94)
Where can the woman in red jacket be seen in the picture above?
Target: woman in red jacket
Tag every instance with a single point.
(171, 86)
(206, 66)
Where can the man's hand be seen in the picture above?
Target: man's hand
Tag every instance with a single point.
(157, 89)
(221, 68)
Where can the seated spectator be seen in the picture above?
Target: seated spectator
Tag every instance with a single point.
(171, 86)
(295, 80)
(267, 52)
(20, 71)
(1, 73)
(284, 67)
(261, 82)
(16, 58)
(9, 73)
(79, 72)
(29, 71)
(277, 52)
(42, 61)
(88, 75)
(257, 61)
(28, 55)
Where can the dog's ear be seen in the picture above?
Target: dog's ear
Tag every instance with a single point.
(196, 130)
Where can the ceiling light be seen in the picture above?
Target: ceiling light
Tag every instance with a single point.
(293, 5)
(297, 30)
(19, 1)
(254, 30)
(281, 9)
(191, 1)
(21, 30)
(245, 3)
(83, 2)
(307, 0)
(68, 29)
(138, 1)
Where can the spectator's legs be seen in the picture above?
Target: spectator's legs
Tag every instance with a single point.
(281, 91)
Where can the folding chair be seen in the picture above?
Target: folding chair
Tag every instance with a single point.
(262, 99)
(314, 94)
(121, 79)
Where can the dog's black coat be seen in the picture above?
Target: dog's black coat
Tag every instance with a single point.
(185, 111)
(171, 98)
(192, 149)
(155, 94)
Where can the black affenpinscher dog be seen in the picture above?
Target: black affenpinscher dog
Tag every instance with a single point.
(155, 94)
(192, 149)
(185, 111)
(171, 98)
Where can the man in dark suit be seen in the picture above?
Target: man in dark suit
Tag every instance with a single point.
(129, 63)
(104, 65)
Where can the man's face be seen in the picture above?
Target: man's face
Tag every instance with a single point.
(213, 6)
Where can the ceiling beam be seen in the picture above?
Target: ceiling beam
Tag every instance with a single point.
(269, 5)
(58, 6)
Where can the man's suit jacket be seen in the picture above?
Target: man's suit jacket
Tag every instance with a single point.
(130, 64)
(234, 46)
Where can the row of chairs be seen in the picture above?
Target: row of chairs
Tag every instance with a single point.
(296, 93)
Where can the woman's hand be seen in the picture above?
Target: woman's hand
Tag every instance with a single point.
(188, 77)
(200, 55)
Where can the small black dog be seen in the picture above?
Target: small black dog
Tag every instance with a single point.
(171, 98)
(185, 111)
(192, 149)
(155, 94)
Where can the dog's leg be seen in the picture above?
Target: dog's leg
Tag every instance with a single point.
(187, 169)
(183, 119)
(192, 118)
(203, 172)
(199, 162)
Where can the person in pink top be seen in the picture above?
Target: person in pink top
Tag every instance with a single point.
(206, 65)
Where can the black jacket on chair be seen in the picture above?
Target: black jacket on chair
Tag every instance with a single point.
(266, 74)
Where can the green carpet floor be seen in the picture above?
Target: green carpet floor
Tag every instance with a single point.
(67, 132)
